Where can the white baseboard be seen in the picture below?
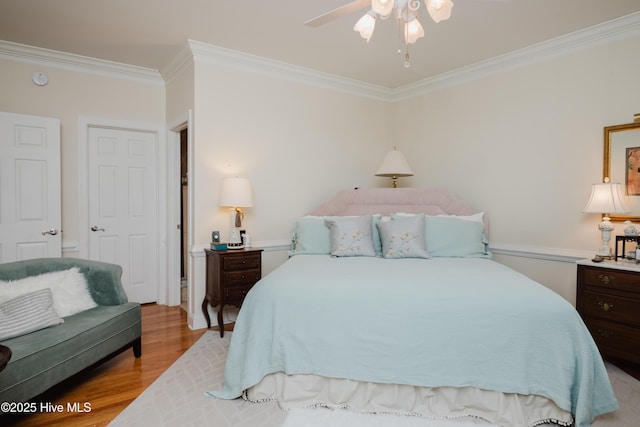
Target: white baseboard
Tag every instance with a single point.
(539, 252)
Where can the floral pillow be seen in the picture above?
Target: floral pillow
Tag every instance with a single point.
(403, 237)
(351, 236)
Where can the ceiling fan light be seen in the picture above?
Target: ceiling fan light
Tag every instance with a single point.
(413, 31)
(439, 10)
(365, 26)
(382, 7)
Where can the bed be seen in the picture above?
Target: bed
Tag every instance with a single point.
(391, 303)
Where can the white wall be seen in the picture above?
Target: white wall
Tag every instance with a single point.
(525, 146)
(298, 145)
(71, 93)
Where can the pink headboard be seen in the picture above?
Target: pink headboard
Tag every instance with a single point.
(385, 201)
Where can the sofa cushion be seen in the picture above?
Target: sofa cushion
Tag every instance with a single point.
(27, 313)
(46, 357)
(68, 288)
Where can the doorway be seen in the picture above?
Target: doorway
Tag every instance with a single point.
(184, 228)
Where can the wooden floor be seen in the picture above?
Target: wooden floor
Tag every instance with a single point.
(113, 385)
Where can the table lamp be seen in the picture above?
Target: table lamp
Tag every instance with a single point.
(606, 199)
(236, 193)
(394, 166)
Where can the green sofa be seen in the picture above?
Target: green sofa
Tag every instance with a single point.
(46, 357)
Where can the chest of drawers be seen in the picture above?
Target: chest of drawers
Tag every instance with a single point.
(608, 299)
(230, 276)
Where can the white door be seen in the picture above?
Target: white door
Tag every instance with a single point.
(30, 209)
(123, 211)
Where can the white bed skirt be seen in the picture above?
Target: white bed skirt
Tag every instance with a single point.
(503, 409)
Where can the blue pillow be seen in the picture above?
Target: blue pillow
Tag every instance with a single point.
(310, 236)
(447, 236)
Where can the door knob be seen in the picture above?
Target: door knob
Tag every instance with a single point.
(96, 228)
(52, 232)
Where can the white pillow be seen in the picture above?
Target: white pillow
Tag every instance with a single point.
(27, 313)
(403, 237)
(68, 287)
(351, 236)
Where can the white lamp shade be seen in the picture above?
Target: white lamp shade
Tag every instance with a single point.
(236, 192)
(382, 7)
(394, 165)
(606, 198)
(413, 31)
(439, 10)
(365, 26)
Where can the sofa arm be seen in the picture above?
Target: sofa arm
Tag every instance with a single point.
(103, 278)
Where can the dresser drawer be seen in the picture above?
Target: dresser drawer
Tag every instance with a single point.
(615, 340)
(603, 278)
(613, 308)
(241, 262)
(237, 294)
(241, 277)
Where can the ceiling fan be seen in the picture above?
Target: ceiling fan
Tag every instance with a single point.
(406, 17)
(354, 6)
(338, 12)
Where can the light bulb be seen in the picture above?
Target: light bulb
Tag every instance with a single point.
(413, 31)
(365, 26)
(382, 7)
(439, 10)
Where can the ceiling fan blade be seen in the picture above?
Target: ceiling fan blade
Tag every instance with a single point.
(338, 12)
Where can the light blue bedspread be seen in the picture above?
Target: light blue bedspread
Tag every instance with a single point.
(438, 322)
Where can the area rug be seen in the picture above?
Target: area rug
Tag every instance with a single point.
(176, 398)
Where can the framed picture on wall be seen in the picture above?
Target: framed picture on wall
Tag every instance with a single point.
(632, 168)
(622, 164)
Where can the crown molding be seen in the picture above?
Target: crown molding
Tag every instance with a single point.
(607, 32)
(78, 63)
(598, 35)
(215, 55)
(178, 64)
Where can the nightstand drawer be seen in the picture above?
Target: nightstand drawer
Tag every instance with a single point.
(615, 340)
(242, 277)
(241, 262)
(614, 308)
(236, 294)
(611, 279)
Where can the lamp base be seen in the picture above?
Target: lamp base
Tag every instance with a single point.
(605, 252)
(235, 240)
(605, 228)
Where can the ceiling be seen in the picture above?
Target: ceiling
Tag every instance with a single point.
(150, 33)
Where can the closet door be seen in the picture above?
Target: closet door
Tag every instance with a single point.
(123, 206)
(30, 207)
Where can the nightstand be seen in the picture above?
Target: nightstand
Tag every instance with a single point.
(608, 299)
(230, 276)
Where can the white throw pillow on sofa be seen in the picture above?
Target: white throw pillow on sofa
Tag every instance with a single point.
(27, 313)
(68, 287)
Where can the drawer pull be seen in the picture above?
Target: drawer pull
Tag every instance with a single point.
(605, 279)
(605, 306)
(605, 334)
